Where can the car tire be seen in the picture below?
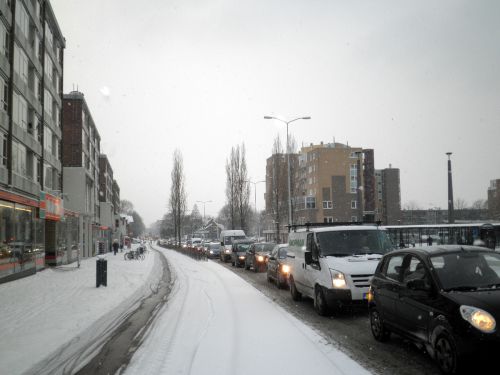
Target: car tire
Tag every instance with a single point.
(279, 282)
(379, 332)
(445, 354)
(296, 295)
(320, 304)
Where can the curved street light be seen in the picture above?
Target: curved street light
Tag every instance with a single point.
(288, 158)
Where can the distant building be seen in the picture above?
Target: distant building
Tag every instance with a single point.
(494, 199)
(388, 195)
(330, 183)
(80, 154)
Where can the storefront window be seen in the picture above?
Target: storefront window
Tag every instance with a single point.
(17, 233)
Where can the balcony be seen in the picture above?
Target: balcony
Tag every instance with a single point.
(25, 184)
(26, 138)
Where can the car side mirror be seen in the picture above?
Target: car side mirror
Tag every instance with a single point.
(272, 258)
(418, 284)
(308, 257)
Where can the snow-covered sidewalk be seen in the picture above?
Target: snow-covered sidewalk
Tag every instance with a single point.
(42, 314)
(214, 322)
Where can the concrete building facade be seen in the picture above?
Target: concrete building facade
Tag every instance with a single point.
(31, 81)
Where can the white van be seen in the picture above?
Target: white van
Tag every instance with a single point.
(333, 265)
(226, 240)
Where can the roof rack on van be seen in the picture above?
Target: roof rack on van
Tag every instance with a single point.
(334, 224)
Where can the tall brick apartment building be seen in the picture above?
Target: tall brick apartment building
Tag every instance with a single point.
(333, 182)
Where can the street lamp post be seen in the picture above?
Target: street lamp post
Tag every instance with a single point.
(255, 202)
(451, 216)
(288, 159)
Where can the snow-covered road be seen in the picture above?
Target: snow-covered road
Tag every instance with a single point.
(216, 323)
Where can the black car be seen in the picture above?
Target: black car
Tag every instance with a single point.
(213, 249)
(277, 267)
(238, 252)
(445, 298)
(257, 255)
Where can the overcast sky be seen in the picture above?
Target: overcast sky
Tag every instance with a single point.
(410, 79)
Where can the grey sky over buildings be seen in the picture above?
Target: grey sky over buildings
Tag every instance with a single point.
(410, 79)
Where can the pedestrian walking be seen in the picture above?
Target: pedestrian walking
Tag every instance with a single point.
(429, 240)
(116, 245)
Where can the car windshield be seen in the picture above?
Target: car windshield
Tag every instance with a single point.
(467, 270)
(229, 239)
(243, 247)
(264, 247)
(353, 242)
(282, 253)
(214, 246)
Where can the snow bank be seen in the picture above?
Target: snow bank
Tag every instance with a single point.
(43, 313)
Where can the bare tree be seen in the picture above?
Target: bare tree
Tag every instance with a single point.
(460, 204)
(411, 206)
(480, 204)
(243, 188)
(177, 194)
(279, 188)
(231, 176)
(238, 187)
(126, 207)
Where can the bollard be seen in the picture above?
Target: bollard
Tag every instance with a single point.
(101, 274)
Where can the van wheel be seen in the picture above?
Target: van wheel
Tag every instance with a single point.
(296, 295)
(320, 302)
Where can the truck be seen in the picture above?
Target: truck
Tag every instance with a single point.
(226, 240)
(333, 264)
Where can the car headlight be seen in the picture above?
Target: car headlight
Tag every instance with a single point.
(242, 257)
(285, 268)
(228, 251)
(338, 279)
(211, 251)
(260, 258)
(478, 318)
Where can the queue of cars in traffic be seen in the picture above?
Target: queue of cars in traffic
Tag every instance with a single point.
(444, 298)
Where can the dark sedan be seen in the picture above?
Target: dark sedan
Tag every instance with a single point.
(257, 255)
(238, 252)
(445, 298)
(277, 267)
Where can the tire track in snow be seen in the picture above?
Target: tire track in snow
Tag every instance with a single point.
(190, 292)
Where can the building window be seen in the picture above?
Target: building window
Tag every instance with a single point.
(22, 19)
(20, 111)
(47, 143)
(3, 149)
(327, 204)
(328, 219)
(310, 202)
(21, 66)
(48, 175)
(354, 219)
(354, 178)
(4, 94)
(47, 104)
(4, 40)
(354, 205)
(18, 158)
